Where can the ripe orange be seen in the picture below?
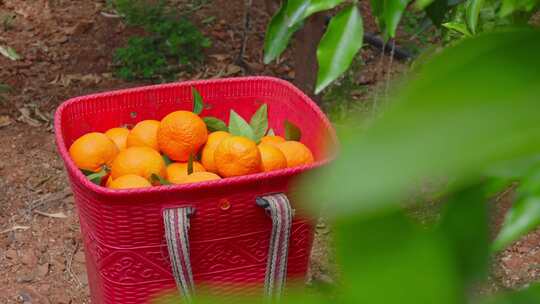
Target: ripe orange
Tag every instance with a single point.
(142, 161)
(207, 154)
(129, 181)
(272, 158)
(119, 136)
(180, 134)
(92, 151)
(144, 134)
(178, 171)
(196, 177)
(296, 153)
(236, 156)
(272, 139)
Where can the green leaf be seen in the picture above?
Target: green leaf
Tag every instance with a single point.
(190, 164)
(167, 160)
(422, 4)
(431, 129)
(87, 172)
(510, 6)
(278, 34)
(9, 53)
(271, 132)
(473, 8)
(158, 179)
(388, 259)
(458, 27)
(292, 132)
(524, 215)
(464, 222)
(259, 122)
(215, 124)
(97, 176)
(295, 11)
(388, 14)
(198, 104)
(438, 10)
(339, 44)
(316, 6)
(239, 127)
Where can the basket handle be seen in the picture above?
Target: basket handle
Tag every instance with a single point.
(176, 222)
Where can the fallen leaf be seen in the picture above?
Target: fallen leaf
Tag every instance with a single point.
(5, 121)
(9, 52)
(15, 228)
(60, 215)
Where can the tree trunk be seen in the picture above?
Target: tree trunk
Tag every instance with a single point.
(305, 54)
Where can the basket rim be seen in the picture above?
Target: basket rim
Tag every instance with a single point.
(81, 179)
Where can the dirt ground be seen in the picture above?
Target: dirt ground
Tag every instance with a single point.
(67, 47)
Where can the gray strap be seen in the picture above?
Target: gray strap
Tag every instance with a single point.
(176, 232)
(279, 209)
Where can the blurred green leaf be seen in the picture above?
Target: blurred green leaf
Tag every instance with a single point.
(528, 295)
(472, 14)
(278, 34)
(438, 9)
(239, 127)
(524, 215)
(388, 259)
(198, 104)
(259, 122)
(510, 6)
(4, 88)
(292, 132)
(388, 14)
(422, 4)
(458, 27)
(464, 222)
(215, 124)
(295, 11)
(341, 41)
(472, 107)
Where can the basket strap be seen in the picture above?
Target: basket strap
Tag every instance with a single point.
(279, 209)
(176, 222)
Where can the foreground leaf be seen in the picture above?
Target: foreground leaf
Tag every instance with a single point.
(316, 6)
(97, 177)
(464, 222)
(198, 104)
(239, 127)
(340, 43)
(510, 6)
(259, 122)
(388, 259)
(524, 215)
(295, 11)
(278, 34)
(215, 124)
(432, 129)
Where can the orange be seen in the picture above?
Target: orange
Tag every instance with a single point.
(129, 181)
(180, 134)
(178, 171)
(199, 177)
(272, 158)
(92, 151)
(142, 161)
(207, 154)
(272, 139)
(119, 136)
(296, 153)
(144, 134)
(237, 155)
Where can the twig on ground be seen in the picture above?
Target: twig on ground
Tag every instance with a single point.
(69, 263)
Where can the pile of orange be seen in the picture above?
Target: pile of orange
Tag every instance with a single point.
(179, 150)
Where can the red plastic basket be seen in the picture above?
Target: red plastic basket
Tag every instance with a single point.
(123, 231)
